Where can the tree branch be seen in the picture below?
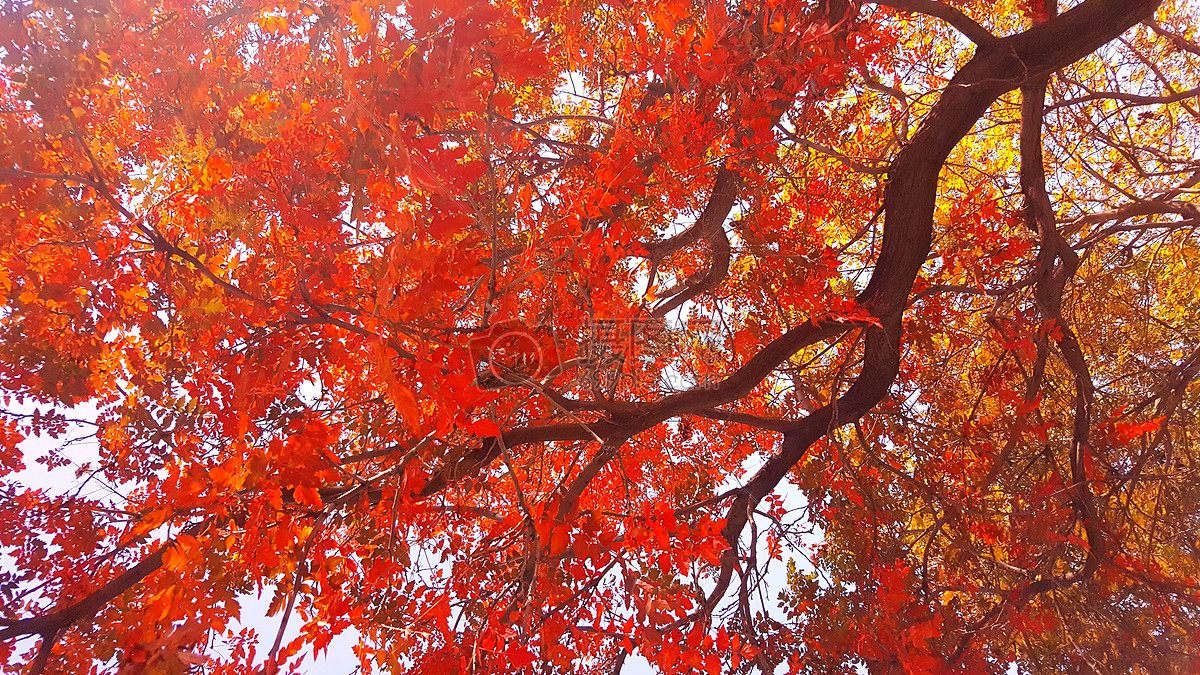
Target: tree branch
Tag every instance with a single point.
(951, 15)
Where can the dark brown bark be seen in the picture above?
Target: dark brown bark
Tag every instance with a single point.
(909, 202)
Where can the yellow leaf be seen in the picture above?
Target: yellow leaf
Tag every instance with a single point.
(173, 558)
(406, 403)
(560, 540)
(308, 496)
(361, 17)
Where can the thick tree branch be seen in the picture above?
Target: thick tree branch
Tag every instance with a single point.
(951, 15)
(51, 625)
(909, 201)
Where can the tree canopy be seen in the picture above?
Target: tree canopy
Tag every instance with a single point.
(527, 335)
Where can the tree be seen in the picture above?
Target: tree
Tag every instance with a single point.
(517, 336)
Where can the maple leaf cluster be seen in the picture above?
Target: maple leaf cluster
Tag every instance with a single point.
(824, 336)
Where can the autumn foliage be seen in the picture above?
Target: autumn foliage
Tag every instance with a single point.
(811, 336)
